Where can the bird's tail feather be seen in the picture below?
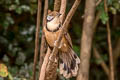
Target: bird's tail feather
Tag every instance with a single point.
(68, 63)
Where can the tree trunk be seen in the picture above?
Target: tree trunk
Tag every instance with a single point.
(86, 41)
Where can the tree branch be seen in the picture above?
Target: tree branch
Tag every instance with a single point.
(37, 39)
(43, 42)
(103, 65)
(63, 9)
(97, 18)
(48, 71)
(43, 68)
(109, 45)
(52, 66)
(57, 5)
(95, 51)
(98, 2)
(86, 40)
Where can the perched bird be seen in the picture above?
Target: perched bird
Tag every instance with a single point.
(68, 59)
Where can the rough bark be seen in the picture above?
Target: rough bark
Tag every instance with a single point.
(86, 40)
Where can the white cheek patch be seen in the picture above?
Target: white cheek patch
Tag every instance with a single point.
(49, 18)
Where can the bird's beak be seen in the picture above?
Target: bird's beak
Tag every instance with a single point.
(58, 14)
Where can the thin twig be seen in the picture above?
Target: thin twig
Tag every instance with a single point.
(109, 45)
(43, 42)
(98, 2)
(42, 50)
(37, 39)
(96, 53)
(103, 65)
(96, 20)
(45, 13)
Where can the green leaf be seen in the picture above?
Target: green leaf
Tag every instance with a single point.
(18, 10)
(10, 76)
(5, 24)
(100, 6)
(104, 17)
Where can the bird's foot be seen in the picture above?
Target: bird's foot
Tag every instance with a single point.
(55, 43)
(50, 58)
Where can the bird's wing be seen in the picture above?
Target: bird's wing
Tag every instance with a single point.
(68, 38)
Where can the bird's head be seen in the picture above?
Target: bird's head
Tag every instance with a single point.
(53, 16)
(53, 20)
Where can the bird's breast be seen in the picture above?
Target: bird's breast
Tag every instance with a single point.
(51, 37)
(52, 26)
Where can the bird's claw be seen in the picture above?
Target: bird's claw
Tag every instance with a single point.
(50, 58)
(55, 43)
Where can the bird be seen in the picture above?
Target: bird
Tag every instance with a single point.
(68, 59)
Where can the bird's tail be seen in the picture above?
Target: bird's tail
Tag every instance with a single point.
(68, 63)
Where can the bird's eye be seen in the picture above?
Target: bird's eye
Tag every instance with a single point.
(49, 18)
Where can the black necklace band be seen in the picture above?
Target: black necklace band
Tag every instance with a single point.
(54, 29)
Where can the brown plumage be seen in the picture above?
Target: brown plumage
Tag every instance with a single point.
(68, 60)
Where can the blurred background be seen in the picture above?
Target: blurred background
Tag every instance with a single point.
(17, 37)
